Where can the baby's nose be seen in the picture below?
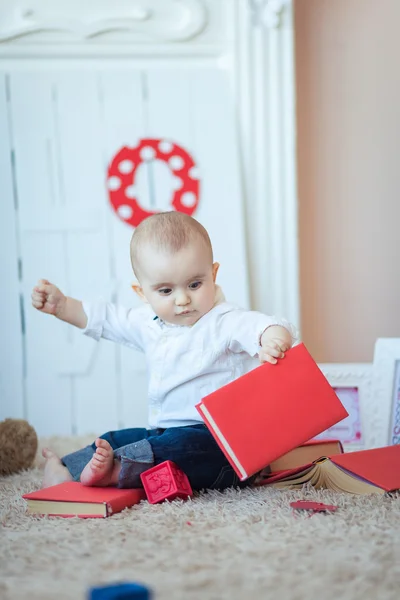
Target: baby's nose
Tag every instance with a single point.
(182, 299)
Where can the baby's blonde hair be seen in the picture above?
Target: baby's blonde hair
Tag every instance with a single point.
(168, 231)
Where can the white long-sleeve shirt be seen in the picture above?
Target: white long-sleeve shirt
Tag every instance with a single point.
(184, 363)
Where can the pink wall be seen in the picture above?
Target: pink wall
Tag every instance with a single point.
(348, 118)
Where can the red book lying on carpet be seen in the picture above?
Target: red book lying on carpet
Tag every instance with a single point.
(375, 471)
(72, 499)
(262, 415)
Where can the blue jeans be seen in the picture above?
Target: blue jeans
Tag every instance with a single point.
(192, 448)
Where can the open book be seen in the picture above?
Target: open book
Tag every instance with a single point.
(375, 471)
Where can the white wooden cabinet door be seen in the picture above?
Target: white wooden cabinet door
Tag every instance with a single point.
(11, 303)
(65, 127)
(78, 81)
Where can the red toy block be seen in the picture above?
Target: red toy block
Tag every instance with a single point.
(165, 482)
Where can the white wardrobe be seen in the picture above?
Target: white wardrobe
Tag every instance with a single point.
(79, 82)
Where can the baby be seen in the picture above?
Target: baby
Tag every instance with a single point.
(194, 342)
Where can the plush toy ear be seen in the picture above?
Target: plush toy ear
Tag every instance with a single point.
(18, 446)
(139, 291)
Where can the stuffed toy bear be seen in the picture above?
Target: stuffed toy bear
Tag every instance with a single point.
(18, 446)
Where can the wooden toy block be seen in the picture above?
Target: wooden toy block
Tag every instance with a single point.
(165, 482)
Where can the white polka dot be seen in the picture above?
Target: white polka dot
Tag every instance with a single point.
(188, 199)
(114, 183)
(177, 183)
(194, 173)
(126, 166)
(125, 211)
(165, 146)
(130, 191)
(176, 162)
(147, 153)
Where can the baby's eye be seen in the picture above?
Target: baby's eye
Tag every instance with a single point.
(165, 291)
(195, 285)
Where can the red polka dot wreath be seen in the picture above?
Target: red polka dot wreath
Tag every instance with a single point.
(123, 169)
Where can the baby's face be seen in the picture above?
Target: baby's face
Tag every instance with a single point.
(179, 286)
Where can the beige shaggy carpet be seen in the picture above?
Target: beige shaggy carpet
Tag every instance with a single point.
(232, 545)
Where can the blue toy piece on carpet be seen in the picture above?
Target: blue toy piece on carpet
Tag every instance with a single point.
(120, 591)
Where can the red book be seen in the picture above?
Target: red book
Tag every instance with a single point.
(271, 410)
(72, 499)
(375, 471)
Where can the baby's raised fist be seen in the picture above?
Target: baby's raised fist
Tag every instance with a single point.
(47, 298)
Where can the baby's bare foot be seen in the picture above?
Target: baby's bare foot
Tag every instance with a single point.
(54, 471)
(101, 470)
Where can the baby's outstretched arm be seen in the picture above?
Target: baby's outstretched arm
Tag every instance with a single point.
(47, 298)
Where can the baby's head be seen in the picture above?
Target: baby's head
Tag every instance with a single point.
(172, 258)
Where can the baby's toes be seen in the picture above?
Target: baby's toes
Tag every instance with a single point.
(103, 444)
(102, 452)
(101, 458)
(97, 461)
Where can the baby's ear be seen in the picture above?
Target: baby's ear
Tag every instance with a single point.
(139, 291)
(215, 268)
